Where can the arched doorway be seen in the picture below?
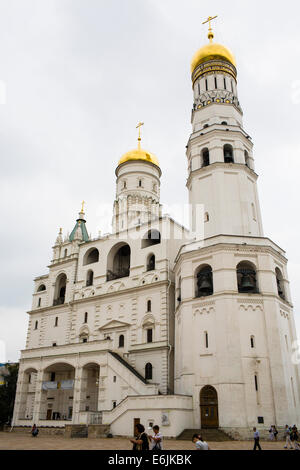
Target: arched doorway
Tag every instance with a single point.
(209, 408)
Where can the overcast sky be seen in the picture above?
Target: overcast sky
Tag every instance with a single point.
(80, 74)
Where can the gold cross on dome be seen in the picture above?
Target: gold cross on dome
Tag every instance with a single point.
(209, 20)
(82, 206)
(140, 124)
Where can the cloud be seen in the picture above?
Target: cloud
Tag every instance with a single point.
(80, 75)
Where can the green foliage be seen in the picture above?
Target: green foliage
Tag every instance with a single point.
(7, 393)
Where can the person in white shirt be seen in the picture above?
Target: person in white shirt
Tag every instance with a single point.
(156, 439)
(256, 439)
(200, 443)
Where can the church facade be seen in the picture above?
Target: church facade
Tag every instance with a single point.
(156, 323)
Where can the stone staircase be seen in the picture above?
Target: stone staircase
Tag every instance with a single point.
(209, 435)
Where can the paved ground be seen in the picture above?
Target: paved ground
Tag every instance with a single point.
(14, 441)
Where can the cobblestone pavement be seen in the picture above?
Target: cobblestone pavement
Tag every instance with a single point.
(14, 441)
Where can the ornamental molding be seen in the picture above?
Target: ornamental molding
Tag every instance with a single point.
(203, 311)
(252, 307)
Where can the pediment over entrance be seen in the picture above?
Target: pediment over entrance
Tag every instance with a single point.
(114, 324)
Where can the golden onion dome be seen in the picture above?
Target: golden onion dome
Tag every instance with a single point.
(140, 155)
(212, 51)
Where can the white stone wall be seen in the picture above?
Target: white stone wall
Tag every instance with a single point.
(229, 363)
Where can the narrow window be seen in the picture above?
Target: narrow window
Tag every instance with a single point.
(206, 84)
(225, 88)
(66, 252)
(256, 383)
(140, 183)
(39, 302)
(36, 325)
(56, 321)
(148, 371)
(206, 340)
(149, 335)
(252, 342)
(232, 86)
(114, 404)
(121, 341)
(199, 92)
(216, 83)
(124, 185)
(115, 378)
(149, 306)
(85, 317)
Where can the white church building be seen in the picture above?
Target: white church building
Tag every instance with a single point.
(158, 324)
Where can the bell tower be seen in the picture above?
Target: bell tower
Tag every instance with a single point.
(234, 321)
(221, 172)
(137, 188)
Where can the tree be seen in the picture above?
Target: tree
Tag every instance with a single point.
(8, 393)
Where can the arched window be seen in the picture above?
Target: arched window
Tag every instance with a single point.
(118, 263)
(39, 302)
(121, 341)
(228, 154)
(36, 325)
(149, 335)
(204, 285)
(148, 371)
(247, 159)
(91, 256)
(89, 278)
(206, 339)
(149, 306)
(41, 288)
(151, 263)
(151, 238)
(280, 285)
(246, 278)
(60, 289)
(205, 157)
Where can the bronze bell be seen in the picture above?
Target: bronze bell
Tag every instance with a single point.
(248, 283)
(204, 286)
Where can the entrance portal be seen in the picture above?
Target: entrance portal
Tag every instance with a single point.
(209, 408)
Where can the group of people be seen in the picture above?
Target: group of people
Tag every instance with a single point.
(290, 434)
(143, 441)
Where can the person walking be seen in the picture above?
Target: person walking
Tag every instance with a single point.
(287, 435)
(34, 431)
(200, 443)
(271, 433)
(256, 439)
(156, 439)
(141, 442)
(295, 437)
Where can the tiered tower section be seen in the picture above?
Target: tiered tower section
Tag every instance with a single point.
(137, 189)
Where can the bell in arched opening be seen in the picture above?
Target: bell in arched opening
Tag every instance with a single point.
(246, 279)
(205, 282)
